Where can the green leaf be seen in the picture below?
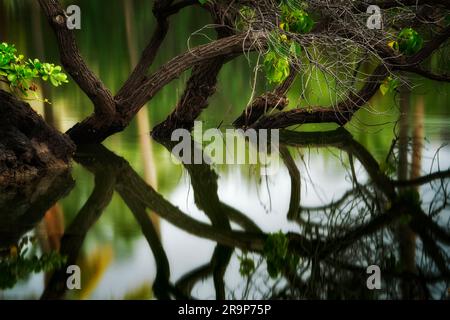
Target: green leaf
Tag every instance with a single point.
(12, 77)
(389, 85)
(409, 41)
(20, 72)
(295, 49)
(276, 67)
(296, 20)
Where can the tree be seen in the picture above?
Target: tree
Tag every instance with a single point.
(291, 37)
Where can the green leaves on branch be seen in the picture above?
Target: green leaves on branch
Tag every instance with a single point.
(20, 73)
(276, 67)
(277, 59)
(389, 85)
(297, 21)
(408, 42)
(246, 17)
(282, 49)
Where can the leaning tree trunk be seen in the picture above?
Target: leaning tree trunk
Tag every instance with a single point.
(29, 147)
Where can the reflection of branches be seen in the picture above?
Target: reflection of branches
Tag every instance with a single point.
(424, 179)
(75, 234)
(332, 253)
(294, 201)
(402, 209)
(161, 286)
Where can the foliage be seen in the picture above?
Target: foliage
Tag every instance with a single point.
(297, 21)
(247, 16)
(277, 254)
(276, 67)
(17, 266)
(247, 265)
(389, 85)
(282, 49)
(19, 73)
(408, 41)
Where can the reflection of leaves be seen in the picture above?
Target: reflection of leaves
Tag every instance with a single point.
(19, 264)
(247, 265)
(18, 267)
(405, 219)
(277, 254)
(143, 292)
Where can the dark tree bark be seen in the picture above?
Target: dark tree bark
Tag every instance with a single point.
(268, 101)
(201, 84)
(28, 145)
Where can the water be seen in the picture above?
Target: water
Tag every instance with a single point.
(195, 229)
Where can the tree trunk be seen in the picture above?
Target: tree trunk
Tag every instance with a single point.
(28, 145)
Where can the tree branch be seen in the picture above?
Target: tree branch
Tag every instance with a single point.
(162, 11)
(71, 59)
(428, 74)
(344, 111)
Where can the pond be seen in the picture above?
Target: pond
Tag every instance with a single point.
(141, 226)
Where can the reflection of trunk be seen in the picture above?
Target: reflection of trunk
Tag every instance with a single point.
(75, 234)
(418, 136)
(403, 135)
(294, 173)
(51, 229)
(204, 183)
(143, 125)
(38, 44)
(406, 237)
(24, 206)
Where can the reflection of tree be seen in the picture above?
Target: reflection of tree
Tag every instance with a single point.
(22, 207)
(336, 242)
(368, 237)
(75, 234)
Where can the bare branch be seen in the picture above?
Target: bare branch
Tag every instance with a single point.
(74, 64)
